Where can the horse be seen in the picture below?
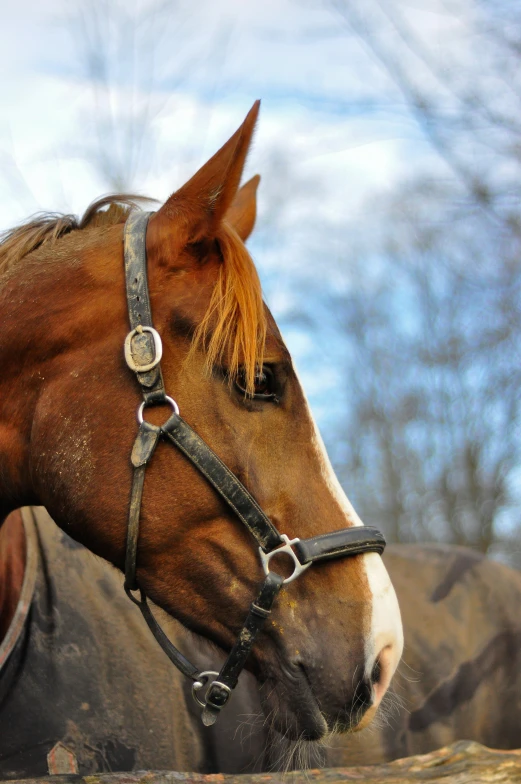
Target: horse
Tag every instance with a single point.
(326, 656)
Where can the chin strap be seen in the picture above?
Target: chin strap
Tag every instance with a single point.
(143, 351)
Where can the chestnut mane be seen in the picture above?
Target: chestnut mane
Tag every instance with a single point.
(234, 326)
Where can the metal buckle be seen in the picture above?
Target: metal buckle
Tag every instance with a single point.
(166, 399)
(227, 692)
(284, 548)
(158, 349)
(203, 679)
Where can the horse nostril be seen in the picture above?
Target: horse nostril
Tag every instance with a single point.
(376, 672)
(353, 711)
(363, 696)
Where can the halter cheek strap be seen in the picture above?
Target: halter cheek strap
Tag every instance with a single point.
(143, 351)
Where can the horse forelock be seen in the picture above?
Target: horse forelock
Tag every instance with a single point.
(235, 323)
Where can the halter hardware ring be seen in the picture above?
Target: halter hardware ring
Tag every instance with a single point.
(284, 548)
(203, 679)
(166, 399)
(158, 349)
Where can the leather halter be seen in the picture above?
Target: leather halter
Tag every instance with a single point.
(143, 350)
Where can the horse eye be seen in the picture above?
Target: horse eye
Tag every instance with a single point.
(264, 384)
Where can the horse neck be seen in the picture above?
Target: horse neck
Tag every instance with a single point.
(12, 568)
(30, 311)
(18, 394)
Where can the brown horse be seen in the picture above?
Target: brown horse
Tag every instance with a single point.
(67, 403)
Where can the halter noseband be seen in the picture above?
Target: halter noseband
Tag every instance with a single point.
(143, 350)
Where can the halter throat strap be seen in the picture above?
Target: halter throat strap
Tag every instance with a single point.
(143, 351)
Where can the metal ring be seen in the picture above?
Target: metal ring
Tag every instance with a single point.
(158, 349)
(284, 548)
(199, 684)
(166, 399)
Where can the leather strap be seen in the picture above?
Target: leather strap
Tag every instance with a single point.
(220, 690)
(136, 495)
(143, 449)
(138, 297)
(231, 490)
(175, 656)
(138, 301)
(348, 541)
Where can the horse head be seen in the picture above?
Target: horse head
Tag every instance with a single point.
(327, 654)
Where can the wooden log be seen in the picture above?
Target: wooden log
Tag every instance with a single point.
(464, 762)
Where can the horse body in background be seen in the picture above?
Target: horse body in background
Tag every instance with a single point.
(460, 678)
(67, 405)
(83, 685)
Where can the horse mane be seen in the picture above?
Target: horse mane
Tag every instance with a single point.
(234, 326)
(48, 227)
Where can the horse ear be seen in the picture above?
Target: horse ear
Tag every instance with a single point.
(194, 212)
(243, 210)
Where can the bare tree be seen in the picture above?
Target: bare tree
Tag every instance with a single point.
(456, 67)
(431, 325)
(428, 307)
(132, 62)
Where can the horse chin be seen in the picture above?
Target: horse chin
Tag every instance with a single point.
(292, 709)
(300, 718)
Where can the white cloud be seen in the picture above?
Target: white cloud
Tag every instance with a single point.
(264, 48)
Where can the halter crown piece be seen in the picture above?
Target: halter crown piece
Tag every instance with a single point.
(143, 350)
